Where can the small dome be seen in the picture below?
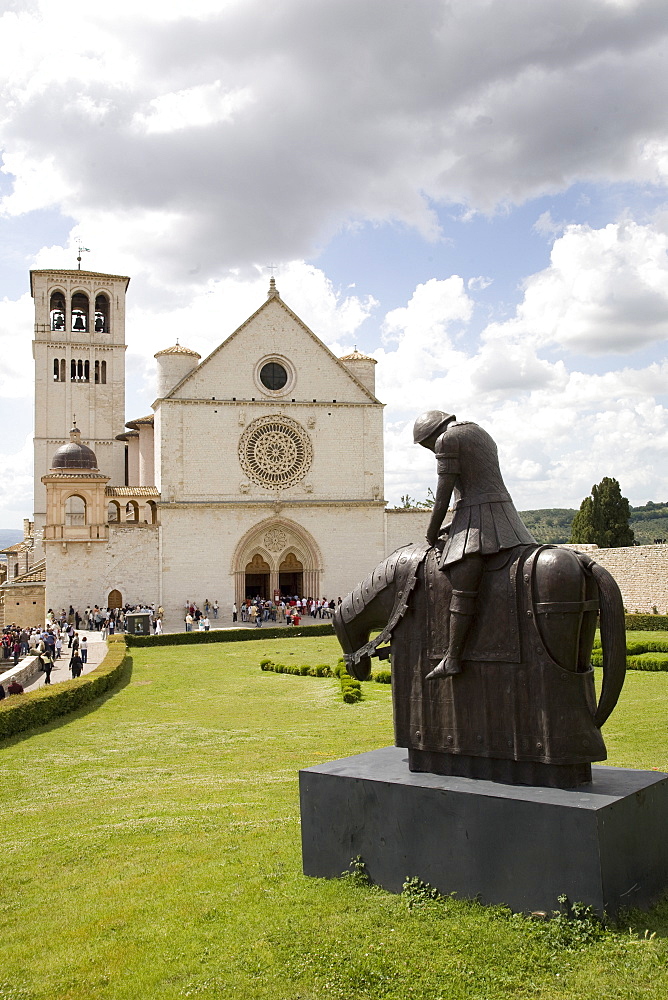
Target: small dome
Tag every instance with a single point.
(177, 349)
(357, 356)
(74, 455)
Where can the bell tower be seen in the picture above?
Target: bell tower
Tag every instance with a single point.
(79, 351)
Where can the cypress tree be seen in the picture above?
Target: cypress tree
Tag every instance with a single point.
(603, 518)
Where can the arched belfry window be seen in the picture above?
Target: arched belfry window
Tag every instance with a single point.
(102, 313)
(75, 511)
(56, 370)
(103, 373)
(57, 311)
(79, 312)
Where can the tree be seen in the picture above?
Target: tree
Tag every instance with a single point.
(603, 518)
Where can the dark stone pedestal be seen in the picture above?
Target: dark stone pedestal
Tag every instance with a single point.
(605, 844)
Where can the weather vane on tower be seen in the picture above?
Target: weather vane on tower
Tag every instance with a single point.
(81, 249)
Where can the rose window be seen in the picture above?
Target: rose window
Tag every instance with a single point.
(275, 452)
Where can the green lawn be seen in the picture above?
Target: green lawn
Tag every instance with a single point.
(151, 849)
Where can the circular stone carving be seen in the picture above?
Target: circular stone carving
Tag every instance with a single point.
(275, 452)
(275, 540)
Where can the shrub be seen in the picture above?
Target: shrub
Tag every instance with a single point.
(652, 661)
(229, 635)
(383, 677)
(351, 689)
(36, 708)
(266, 665)
(646, 623)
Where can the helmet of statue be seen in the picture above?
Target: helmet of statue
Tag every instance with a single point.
(430, 423)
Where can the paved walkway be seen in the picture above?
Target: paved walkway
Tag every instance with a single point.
(97, 650)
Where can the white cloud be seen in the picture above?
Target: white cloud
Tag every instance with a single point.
(559, 429)
(257, 132)
(605, 292)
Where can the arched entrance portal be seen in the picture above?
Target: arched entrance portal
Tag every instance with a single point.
(291, 577)
(114, 600)
(276, 556)
(257, 578)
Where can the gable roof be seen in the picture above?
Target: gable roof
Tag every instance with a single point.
(273, 296)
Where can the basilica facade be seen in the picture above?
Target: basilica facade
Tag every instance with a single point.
(259, 470)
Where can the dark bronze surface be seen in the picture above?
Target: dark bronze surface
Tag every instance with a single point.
(491, 679)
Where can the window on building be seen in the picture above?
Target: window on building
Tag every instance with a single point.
(57, 311)
(75, 511)
(101, 313)
(79, 312)
(103, 372)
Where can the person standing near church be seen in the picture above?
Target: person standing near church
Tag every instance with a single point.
(235, 614)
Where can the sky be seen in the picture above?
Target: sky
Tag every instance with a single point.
(474, 192)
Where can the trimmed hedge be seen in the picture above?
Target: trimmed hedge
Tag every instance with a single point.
(351, 689)
(321, 670)
(646, 623)
(382, 677)
(19, 712)
(230, 635)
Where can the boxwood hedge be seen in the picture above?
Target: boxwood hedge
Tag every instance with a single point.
(35, 708)
(646, 623)
(229, 635)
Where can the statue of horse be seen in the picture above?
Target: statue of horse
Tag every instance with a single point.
(524, 708)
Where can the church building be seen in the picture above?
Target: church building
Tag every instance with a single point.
(259, 470)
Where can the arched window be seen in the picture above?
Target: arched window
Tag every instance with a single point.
(62, 369)
(57, 311)
(86, 371)
(101, 313)
(79, 312)
(132, 512)
(97, 372)
(73, 371)
(75, 511)
(113, 511)
(103, 373)
(151, 512)
(56, 370)
(80, 370)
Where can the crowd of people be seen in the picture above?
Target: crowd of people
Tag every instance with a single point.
(283, 610)
(47, 644)
(97, 619)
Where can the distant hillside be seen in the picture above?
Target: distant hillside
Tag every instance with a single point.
(553, 524)
(10, 536)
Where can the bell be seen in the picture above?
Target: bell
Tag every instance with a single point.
(79, 323)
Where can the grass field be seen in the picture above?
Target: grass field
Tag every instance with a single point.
(151, 850)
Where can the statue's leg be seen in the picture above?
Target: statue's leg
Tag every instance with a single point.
(464, 577)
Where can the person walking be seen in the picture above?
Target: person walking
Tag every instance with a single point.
(76, 664)
(84, 649)
(235, 614)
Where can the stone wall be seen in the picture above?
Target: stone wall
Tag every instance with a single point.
(81, 574)
(641, 571)
(22, 603)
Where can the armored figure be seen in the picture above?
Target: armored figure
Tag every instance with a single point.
(485, 520)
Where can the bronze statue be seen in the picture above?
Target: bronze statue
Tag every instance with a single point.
(485, 520)
(506, 627)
